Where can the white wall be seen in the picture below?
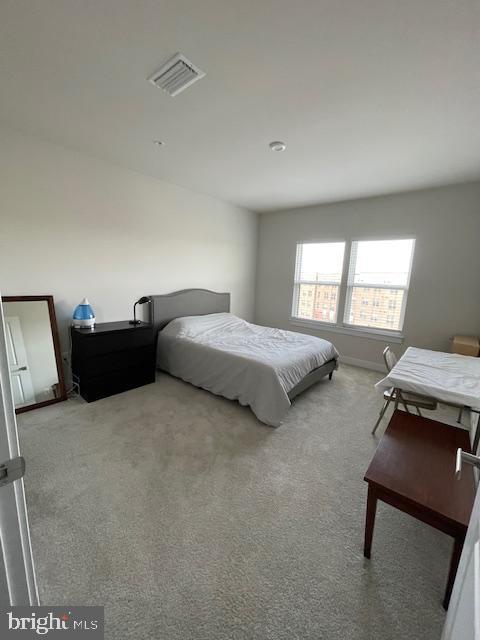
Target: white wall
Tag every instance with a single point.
(74, 226)
(444, 296)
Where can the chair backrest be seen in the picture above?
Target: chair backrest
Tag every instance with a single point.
(390, 358)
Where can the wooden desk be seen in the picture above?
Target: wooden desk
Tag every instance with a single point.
(413, 470)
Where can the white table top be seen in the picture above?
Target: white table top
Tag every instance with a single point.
(448, 377)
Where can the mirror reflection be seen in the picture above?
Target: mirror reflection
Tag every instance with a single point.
(31, 352)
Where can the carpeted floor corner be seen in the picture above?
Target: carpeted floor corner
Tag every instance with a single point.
(190, 520)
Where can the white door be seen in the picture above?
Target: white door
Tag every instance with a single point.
(20, 377)
(17, 567)
(463, 617)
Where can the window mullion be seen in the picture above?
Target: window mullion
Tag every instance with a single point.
(390, 287)
(327, 283)
(375, 286)
(342, 296)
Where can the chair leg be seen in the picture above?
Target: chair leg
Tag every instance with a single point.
(399, 398)
(418, 411)
(460, 416)
(382, 413)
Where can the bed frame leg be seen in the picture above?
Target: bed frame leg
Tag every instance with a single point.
(330, 375)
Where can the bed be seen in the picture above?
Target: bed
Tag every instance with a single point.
(201, 342)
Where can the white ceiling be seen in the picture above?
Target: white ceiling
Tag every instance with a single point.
(371, 96)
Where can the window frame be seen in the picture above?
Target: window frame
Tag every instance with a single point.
(340, 325)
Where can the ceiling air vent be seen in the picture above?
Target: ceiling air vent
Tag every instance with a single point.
(176, 75)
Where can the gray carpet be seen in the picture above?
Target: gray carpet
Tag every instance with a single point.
(188, 519)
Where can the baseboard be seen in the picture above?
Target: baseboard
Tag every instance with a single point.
(365, 364)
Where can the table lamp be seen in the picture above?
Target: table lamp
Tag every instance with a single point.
(142, 300)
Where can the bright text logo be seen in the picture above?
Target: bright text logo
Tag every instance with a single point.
(32, 622)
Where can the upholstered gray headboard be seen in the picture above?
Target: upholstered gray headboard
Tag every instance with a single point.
(188, 302)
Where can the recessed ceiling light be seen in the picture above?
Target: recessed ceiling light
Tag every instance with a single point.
(159, 143)
(277, 145)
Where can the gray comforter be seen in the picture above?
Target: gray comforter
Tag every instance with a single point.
(230, 357)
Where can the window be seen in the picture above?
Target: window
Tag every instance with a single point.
(371, 294)
(379, 269)
(318, 269)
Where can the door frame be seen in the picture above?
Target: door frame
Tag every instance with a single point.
(15, 539)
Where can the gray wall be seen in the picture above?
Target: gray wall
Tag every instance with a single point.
(74, 226)
(444, 296)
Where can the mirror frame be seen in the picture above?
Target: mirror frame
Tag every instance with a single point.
(56, 347)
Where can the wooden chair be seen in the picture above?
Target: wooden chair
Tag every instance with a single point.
(405, 398)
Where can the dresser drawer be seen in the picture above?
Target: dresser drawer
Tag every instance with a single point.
(92, 389)
(112, 342)
(116, 361)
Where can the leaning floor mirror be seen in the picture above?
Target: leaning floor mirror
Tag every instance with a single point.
(33, 350)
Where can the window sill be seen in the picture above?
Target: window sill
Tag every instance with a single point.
(371, 334)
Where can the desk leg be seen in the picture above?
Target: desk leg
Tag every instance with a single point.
(455, 559)
(370, 520)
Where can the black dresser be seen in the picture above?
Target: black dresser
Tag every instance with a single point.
(111, 358)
